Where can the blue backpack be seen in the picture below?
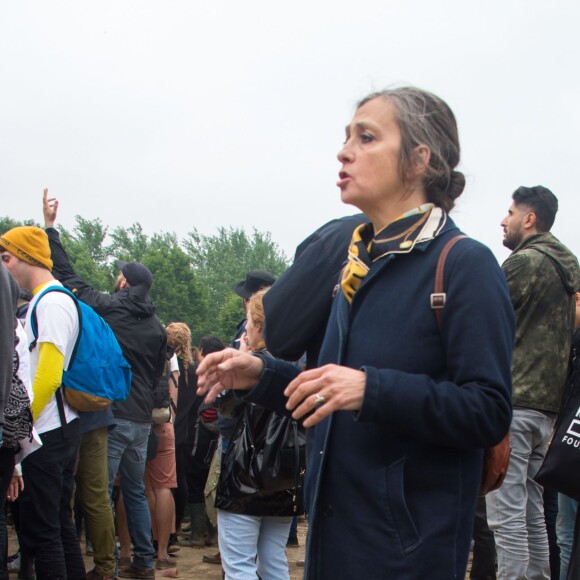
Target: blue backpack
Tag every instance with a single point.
(97, 373)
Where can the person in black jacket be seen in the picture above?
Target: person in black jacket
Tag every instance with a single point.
(131, 315)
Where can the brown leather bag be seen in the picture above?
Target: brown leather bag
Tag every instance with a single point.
(495, 459)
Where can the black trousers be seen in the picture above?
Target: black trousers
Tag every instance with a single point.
(6, 469)
(47, 531)
(483, 566)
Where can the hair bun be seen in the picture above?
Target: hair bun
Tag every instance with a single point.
(456, 184)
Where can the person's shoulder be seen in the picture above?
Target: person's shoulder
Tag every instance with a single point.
(53, 293)
(337, 231)
(467, 248)
(522, 258)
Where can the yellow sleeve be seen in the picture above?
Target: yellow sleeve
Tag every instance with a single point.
(48, 376)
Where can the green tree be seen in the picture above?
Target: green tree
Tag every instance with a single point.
(7, 223)
(221, 261)
(89, 255)
(176, 292)
(129, 244)
(228, 317)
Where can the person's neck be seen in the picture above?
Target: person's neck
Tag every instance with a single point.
(39, 279)
(386, 215)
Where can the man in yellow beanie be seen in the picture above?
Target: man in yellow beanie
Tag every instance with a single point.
(47, 532)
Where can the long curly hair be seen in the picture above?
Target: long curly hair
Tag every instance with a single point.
(179, 337)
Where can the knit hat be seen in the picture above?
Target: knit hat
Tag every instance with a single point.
(28, 243)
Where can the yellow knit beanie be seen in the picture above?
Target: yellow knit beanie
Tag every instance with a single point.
(28, 243)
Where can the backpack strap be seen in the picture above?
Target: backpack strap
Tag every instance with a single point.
(34, 319)
(439, 296)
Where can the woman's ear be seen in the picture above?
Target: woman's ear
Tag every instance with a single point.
(421, 159)
(418, 163)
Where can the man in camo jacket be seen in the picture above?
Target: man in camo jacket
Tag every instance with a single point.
(542, 276)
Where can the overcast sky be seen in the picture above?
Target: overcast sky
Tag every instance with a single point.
(181, 114)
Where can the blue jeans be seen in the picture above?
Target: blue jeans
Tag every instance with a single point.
(515, 512)
(567, 509)
(242, 538)
(127, 455)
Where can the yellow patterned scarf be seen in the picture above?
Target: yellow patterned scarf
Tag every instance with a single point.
(400, 236)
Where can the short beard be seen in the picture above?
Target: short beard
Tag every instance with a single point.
(511, 242)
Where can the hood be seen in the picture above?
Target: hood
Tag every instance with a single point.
(136, 299)
(563, 259)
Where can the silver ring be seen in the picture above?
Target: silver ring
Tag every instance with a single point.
(319, 400)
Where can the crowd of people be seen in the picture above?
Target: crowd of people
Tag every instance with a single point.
(395, 351)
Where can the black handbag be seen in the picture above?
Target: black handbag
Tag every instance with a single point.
(267, 451)
(561, 468)
(282, 456)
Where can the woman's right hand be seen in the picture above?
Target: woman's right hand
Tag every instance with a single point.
(227, 369)
(15, 487)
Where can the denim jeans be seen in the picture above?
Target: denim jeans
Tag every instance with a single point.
(515, 512)
(127, 454)
(242, 537)
(567, 509)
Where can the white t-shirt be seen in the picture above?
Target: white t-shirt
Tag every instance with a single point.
(174, 364)
(58, 323)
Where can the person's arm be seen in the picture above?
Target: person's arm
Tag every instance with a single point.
(521, 270)
(255, 378)
(62, 269)
(48, 377)
(297, 306)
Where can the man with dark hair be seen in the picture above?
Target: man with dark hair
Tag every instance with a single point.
(542, 276)
(209, 344)
(541, 201)
(131, 315)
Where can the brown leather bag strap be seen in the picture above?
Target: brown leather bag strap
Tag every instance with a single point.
(439, 296)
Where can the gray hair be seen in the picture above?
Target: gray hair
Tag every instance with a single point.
(425, 119)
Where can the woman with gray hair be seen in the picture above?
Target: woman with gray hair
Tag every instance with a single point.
(404, 400)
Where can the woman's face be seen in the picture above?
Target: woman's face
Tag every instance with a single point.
(254, 333)
(370, 176)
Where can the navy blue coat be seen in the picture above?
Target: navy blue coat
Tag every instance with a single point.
(391, 490)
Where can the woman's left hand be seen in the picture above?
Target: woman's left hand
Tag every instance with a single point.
(325, 390)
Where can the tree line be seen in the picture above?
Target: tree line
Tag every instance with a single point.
(193, 278)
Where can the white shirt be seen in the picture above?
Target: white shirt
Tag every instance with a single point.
(58, 323)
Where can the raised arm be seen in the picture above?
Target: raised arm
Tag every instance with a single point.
(62, 269)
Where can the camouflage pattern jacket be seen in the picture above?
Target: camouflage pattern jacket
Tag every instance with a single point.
(542, 276)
